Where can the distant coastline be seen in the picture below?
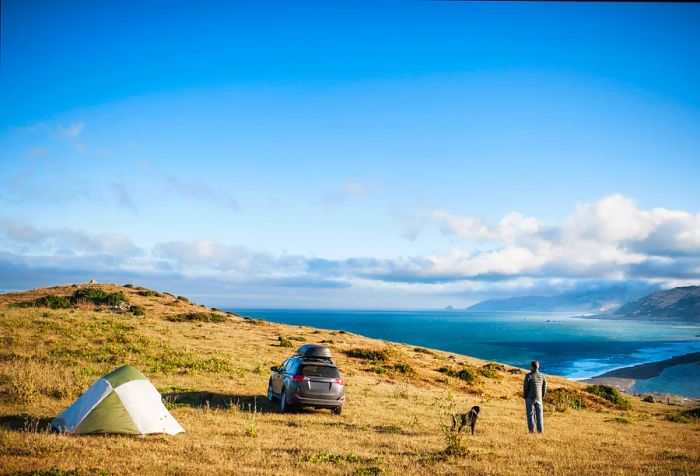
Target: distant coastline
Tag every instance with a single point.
(634, 379)
(651, 369)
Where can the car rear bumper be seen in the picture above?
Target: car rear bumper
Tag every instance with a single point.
(302, 401)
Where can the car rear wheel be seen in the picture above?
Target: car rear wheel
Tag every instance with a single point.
(270, 394)
(337, 410)
(284, 408)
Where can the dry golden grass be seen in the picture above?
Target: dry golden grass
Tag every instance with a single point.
(214, 375)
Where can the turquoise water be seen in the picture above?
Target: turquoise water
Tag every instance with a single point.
(679, 379)
(569, 346)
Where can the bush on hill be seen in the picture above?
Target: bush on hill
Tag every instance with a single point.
(149, 293)
(685, 416)
(562, 399)
(491, 370)
(98, 297)
(468, 374)
(610, 394)
(95, 296)
(369, 354)
(284, 342)
(137, 310)
(54, 302)
(196, 316)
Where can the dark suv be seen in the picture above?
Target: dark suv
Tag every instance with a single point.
(308, 379)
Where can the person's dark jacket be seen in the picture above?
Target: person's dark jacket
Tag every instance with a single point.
(535, 386)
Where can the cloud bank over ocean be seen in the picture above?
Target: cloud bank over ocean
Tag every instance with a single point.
(605, 241)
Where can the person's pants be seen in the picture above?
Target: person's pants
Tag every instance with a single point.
(533, 411)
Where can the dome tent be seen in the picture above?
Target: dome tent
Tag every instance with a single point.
(123, 401)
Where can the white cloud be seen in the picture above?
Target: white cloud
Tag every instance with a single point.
(63, 241)
(609, 239)
(70, 131)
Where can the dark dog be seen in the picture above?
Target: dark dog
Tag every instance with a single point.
(460, 420)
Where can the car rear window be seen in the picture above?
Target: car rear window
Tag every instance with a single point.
(318, 371)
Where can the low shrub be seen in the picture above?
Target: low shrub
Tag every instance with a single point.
(54, 302)
(128, 285)
(332, 458)
(98, 296)
(137, 310)
(403, 367)
(369, 354)
(494, 366)
(95, 296)
(685, 416)
(284, 342)
(562, 399)
(422, 350)
(622, 420)
(149, 293)
(610, 394)
(183, 299)
(491, 370)
(468, 374)
(298, 339)
(369, 470)
(196, 317)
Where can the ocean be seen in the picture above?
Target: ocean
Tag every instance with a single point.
(569, 346)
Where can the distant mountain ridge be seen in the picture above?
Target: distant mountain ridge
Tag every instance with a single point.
(592, 300)
(681, 303)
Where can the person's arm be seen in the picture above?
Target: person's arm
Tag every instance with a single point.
(544, 386)
(526, 386)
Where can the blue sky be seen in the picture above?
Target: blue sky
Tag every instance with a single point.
(379, 154)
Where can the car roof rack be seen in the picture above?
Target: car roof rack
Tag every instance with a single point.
(314, 351)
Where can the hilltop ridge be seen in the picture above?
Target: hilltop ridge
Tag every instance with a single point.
(682, 303)
(212, 369)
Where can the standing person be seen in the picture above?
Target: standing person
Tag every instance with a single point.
(534, 390)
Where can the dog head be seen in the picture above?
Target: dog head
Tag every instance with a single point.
(476, 409)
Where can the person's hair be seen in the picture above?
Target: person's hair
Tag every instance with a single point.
(535, 364)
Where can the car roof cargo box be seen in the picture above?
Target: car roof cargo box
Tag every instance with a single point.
(314, 351)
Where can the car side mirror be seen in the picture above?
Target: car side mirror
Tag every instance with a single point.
(274, 368)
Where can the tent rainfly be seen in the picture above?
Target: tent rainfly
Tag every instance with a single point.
(123, 401)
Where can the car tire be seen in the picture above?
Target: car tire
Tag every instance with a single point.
(270, 394)
(284, 407)
(337, 410)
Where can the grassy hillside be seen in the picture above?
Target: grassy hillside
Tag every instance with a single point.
(213, 367)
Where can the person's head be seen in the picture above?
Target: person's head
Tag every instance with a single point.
(534, 365)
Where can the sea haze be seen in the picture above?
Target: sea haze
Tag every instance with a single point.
(573, 347)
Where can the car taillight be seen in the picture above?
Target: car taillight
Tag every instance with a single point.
(339, 381)
(298, 378)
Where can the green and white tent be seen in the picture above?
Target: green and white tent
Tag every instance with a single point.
(123, 401)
